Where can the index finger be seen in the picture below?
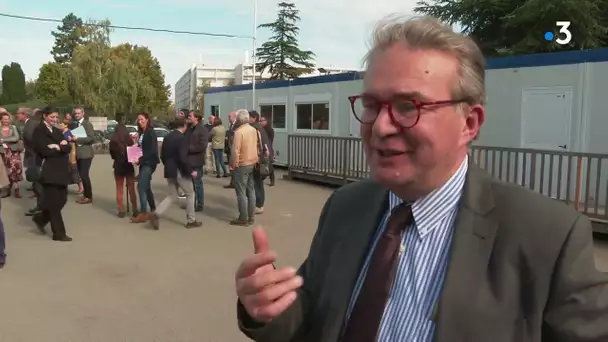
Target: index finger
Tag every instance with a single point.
(260, 240)
(252, 263)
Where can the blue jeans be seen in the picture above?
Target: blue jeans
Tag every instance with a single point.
(242, 177)
(2, 242)
(199, 190)
(260, 192)
(218, 155)
(144, 188)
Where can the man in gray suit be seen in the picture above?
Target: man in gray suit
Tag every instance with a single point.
(84, 154)
(431, 248)
(31, 161)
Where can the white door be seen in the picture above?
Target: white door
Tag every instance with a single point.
(546, 116)
(355, 127)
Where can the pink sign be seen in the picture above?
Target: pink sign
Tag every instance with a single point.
(133, 153)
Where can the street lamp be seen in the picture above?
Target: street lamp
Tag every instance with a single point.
(254, 52)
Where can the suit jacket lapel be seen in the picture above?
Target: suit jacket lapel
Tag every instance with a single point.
(362, 222)
(474, 233)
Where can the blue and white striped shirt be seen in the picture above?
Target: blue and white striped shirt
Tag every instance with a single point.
(423, 260)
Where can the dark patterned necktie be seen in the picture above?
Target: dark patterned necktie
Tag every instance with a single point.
(364, 321)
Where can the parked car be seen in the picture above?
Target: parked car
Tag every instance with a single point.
(161, 133)
(132, 132)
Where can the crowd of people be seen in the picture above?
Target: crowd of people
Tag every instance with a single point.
(53, 157)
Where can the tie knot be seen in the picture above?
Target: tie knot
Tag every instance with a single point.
(401, 217)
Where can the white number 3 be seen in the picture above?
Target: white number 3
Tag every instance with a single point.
(563, 30)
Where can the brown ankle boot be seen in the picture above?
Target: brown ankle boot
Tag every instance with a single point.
(141, 218)
(6, 192)
(17, 193)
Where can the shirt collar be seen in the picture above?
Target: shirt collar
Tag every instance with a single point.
(432, 208)
(81, 120)
(49, 127)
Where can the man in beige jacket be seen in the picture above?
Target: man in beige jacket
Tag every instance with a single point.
(243, 157)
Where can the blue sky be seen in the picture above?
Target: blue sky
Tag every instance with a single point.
(336, 30)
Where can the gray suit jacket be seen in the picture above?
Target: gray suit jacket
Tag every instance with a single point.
(29, 156)
(521, 269)
(84, 146)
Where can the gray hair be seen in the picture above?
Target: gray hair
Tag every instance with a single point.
(242, 116)
(428, 33)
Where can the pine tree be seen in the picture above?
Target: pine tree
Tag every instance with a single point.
(69, 35)
(13, 84)
(281, 56)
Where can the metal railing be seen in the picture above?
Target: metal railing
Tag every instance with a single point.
(578, 179)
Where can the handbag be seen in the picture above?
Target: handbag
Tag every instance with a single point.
(262, 167)
(32, 174)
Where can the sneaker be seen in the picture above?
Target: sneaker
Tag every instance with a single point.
(154, 221)
(259, 210)
(121, 214)
(140, 218)
(250, 222)
(238, 222)
(64, 238)
(193, 224)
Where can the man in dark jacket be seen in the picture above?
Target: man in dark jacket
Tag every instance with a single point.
(178, 172)
(229, 137)
(270, 133)
(258, 180)
(198, 138)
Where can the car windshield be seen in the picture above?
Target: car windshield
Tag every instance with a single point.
(132, 129)
(161, 133)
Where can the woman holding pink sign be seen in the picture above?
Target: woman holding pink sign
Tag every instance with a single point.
(148, 161)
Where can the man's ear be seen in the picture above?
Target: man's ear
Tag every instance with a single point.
(474, 119)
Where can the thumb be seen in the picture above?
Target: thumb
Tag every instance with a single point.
(260, 241)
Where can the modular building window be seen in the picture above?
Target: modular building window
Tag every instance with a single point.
(312, 116)
(276, 114)
(215, 110)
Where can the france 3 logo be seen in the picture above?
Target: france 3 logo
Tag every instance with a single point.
(563, 36)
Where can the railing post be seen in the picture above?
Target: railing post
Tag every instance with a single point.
(577, 186)
(289, 157)
(345, 160)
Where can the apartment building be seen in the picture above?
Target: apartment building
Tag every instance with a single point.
(186, 87)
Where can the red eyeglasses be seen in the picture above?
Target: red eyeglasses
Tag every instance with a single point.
(403, 112)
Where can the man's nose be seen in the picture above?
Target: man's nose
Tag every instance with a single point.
(384, 125)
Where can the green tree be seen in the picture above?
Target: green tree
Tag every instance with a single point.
(123, 79)
(13, 84)
(200, 95)
(511, 27)
(30, 90)
(52, 83)
(142, 66)
(69, 35)
(91, 75)
(281, 55)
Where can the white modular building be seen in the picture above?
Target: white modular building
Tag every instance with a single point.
(550, 101)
